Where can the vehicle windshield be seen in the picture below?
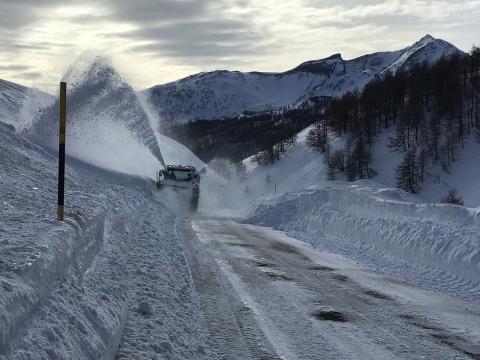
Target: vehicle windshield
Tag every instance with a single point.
(182, 175)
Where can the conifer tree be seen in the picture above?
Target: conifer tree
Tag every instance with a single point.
(452, 198)
(408, 176)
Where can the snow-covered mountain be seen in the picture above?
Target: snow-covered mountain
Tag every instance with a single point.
(218, 94)
(101, 107)
(16, 100)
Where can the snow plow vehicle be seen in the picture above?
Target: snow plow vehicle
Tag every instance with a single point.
(181, 178)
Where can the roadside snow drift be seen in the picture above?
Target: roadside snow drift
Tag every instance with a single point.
(431, 244)
(68, 289)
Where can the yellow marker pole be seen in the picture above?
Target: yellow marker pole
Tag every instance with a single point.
(61, 149)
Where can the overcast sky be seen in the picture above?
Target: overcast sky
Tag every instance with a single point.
(156, 41)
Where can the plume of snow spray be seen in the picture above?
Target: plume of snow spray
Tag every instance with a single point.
(224, 188)
(106, 123)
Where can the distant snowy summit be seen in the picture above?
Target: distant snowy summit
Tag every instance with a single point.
(219, 94)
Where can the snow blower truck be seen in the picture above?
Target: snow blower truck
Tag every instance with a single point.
(181, 178)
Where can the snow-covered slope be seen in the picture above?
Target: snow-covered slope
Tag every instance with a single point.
(16, 101)
(427, 49)
(299, 167)
(463, 175)
(218, 94)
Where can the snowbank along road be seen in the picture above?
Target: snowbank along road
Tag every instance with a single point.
(268, 296)
(389, 230)
(110, 281)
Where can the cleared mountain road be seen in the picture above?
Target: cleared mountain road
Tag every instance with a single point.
(267, 296)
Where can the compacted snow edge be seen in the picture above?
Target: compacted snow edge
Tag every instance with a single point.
(66, 288)
(39, 277)
(77, 301)
(388, 229)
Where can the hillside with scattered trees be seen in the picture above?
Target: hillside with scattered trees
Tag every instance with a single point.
(269, 132)
(433, 110)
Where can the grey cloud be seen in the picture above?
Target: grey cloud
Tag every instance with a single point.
(389, 20)
(13, 67)
(154, 11)
(12, 16)
(197, 53)
(88, 18)
(6, 46)
(186, 29)
(194, 33)
(31, 75)
(16, 14)
(161, 11)
(320, 4)
(202, 40)
(10, 47)
(174, 28)
(393, 20)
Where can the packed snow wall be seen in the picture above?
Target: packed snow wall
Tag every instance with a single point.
(437, 245)
(66, 287)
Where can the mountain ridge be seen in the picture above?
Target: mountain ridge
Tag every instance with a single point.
(222, 93)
